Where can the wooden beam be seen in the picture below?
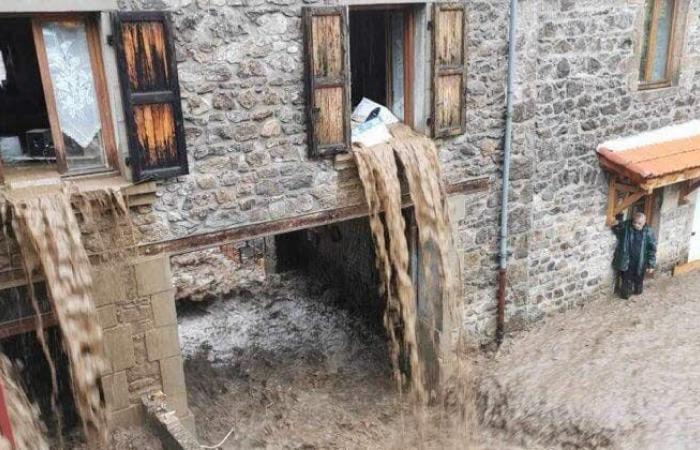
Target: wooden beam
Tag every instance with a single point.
(681, 269)
(14, 277)
(687, 188)
(612, 200)
(49, 98)
(628, 201)
(25, 325)
(621, 196)
(257, 230)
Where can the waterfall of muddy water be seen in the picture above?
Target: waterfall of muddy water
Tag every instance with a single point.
(49, 238)
(28, 431)
(379, 173)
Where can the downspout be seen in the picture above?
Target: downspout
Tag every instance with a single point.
(503, 259)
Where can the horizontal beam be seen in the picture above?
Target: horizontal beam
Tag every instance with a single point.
(25, 325)
(15, 277)
(315, 219)
(688, 267)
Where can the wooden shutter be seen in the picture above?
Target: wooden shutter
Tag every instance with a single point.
(151, 94)
(449, 69)
(328, 79)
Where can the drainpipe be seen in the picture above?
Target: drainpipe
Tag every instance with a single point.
(503, 259)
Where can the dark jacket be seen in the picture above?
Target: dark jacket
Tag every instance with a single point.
(647, 257)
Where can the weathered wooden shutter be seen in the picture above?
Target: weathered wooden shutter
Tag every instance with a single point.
(449, 69)
(328, 79)
(151, 94)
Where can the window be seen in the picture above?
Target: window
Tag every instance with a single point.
(55, 116)
(380, 53)
(54, 99)
(657, 44)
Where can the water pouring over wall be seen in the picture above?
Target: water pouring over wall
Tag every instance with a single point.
(48, 234)
(416, 320)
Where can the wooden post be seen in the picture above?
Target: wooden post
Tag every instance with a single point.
(612, 199)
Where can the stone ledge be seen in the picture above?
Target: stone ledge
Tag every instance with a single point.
(169, 428)
(128, 417)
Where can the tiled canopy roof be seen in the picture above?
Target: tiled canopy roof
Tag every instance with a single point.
(656, 158)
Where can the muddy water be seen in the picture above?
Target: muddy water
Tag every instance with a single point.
(49, 238)
(378, 167)
(28, 431)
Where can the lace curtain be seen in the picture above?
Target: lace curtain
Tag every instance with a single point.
(73, 86)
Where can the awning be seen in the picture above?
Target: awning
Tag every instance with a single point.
(656, 158)
(640, 164)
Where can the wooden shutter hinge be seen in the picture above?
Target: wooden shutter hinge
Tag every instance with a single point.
(430, 24)
(110, 40)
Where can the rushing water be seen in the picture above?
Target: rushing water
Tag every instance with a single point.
(378, 167)
(49, 237)
(28, 431)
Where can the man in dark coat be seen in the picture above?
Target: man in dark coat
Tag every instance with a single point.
(635, 254)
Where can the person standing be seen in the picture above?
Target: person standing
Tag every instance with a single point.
(635, 254)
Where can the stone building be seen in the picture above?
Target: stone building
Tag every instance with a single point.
(237, 159)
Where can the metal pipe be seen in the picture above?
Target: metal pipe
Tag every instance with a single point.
(503, 259)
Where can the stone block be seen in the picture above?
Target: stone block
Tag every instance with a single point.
(172, 375)
(178, 402)
(109, 284)
(162, 343)
(116, 390)
(153, 275)
(458, 207)
(128, 417)
(119, 348)
(107, 316)
(163, 306)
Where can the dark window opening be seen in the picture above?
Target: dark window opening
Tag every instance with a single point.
(381, 53)
(25, 136)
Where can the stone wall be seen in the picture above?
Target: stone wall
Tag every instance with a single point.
(587, 55)
(241, 70)
(136, 307)
(213, 273)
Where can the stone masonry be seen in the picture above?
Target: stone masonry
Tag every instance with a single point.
(136, 306)
(240, 64)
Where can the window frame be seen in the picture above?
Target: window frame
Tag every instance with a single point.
(92, 28)
(650, 40)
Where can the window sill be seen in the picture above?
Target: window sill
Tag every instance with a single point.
(33, 181)
(651, 93)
